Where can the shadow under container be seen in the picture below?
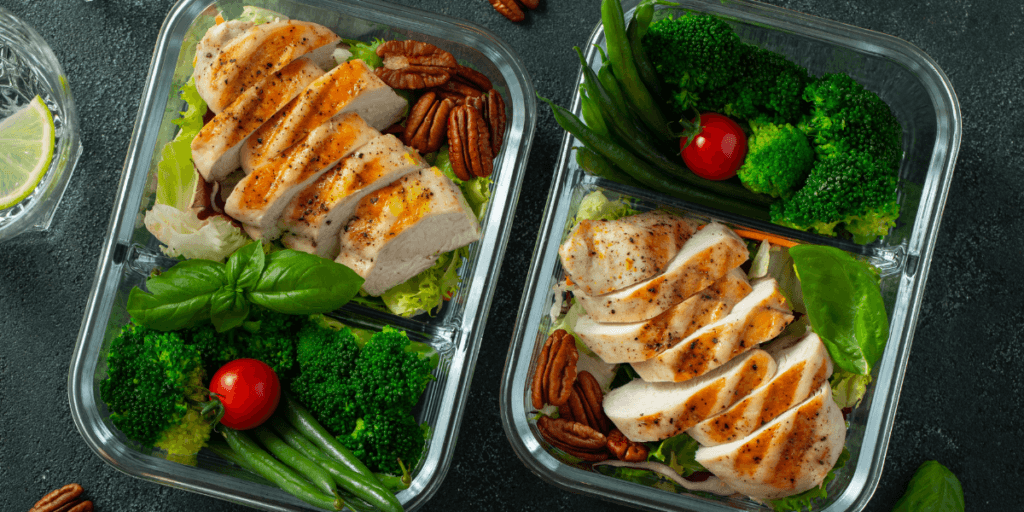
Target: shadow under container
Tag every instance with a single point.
(922, 99)
(130, 252)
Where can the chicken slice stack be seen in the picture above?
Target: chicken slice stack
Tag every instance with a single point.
(297, 153)
(668, 297)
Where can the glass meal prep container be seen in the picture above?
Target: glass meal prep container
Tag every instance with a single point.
(926, 105)
(130, 252)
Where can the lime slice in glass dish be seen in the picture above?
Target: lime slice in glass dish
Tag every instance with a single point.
(26, 148)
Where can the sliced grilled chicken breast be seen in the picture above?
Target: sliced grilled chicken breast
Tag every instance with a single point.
(216, 147)
(349, 87)
(789, 455)
(652, 411)
(399, 230)
(316, 215)
(226, 66)
(803, 366)
(707, 256)
(640, 341)
(259, 199)
(759, 317)
(602, 256)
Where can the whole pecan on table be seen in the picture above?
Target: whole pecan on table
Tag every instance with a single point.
(556, 370)
(511, 10)
(414, 65)
(585, 404)
(427, 124)
(623, 449)
(574, 438)
(65, 499)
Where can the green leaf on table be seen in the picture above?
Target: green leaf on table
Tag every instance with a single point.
(844, 304)
(178, 297)
(298, 283)
(933, 488)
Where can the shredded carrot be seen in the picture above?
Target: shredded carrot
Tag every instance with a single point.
(568, 281)
(760, 235)
(219, 19)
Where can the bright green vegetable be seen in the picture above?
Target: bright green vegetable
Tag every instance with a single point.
(693, 54)
(324, 383)
(176, 177)
(307, 425)
(280, 475)
(153, 378)
(849, 189)
(844, 304)
(195, 291)
(778, 159)
(678, 452)
(766, 84)
(265, 335)
(595, 164)
(365, 51)
(933, 488)
(291, 457)
(387, 439)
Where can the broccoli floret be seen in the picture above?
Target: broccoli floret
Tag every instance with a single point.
(778, 159)
(151, 377)
(324, 384)
(266, 335)
(693, 54)
(389, 372)
(853, 189)
(765, 84)
(847, 117)
(384, 437)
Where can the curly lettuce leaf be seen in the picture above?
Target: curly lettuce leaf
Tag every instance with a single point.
(427, 291)
(597, 206)
(848, 388)
(678, 452)
(259, 15)
(365, 51)
(183, 234)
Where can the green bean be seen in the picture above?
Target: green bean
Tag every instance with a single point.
(280, 475)
(595, 164)
(591, 112)
(624, 68)
(644, 173)
(606, 77)
(367, 489)
(297, 461)
(635, 30)
(305, 423)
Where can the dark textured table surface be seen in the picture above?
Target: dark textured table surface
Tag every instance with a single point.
(964, 389)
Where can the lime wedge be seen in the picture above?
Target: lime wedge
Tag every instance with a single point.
(26, 148)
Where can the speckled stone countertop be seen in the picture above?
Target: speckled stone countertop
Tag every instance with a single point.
(962, 396)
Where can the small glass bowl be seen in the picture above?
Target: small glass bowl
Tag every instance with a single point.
(29, 68)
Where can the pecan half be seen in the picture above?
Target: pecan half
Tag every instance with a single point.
(624, 449)
(65, 499)
(427, 125)
(478, 79)
(585, 404)
(469, 146)
(509, 9)
(414, 65)
(574, 438)
(556, 370)
(531, 4)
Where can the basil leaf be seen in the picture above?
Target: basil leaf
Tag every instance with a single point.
(178, 297)
(228, 308)
(297, 283)
(844, 304)
(933, 488)
(245, 265)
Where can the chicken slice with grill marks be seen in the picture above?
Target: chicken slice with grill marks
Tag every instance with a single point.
(652, 411)
(399, 230)
(788, 455)
(640, 341)
(759, 317)
(216, 147)
(260, 198)
(707, 256)
(601, 256)
(232, 59)
(803, 366)
(315, 216)
(351, 87)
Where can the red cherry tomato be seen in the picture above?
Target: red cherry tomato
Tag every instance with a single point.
(718, 149)
(249, 391)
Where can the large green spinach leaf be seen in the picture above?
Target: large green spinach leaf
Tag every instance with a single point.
(933, 488)
(844, 304)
